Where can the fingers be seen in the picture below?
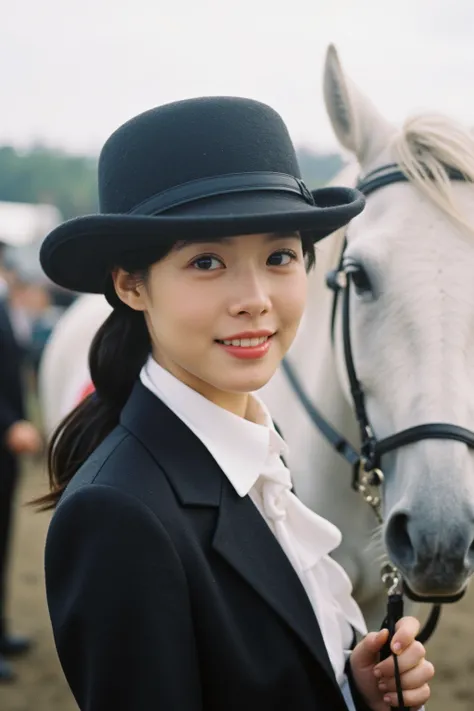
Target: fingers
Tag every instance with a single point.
(415, 671)
(407, 660)
(374, 641)
(406, 630)
(410, 680)
(412, 699)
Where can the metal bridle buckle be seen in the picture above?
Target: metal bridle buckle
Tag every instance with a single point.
(391, 579)
(369, 483)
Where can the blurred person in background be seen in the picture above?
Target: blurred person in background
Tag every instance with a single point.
(17, 436)
(33, 317)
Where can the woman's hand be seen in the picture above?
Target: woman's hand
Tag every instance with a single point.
(376, 680)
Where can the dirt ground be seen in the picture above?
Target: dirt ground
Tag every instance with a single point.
(41, 687)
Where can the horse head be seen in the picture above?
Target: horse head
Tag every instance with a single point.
(411, 315)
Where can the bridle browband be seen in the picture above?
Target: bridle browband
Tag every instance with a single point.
(366, 463)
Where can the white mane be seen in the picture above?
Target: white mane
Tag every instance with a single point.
(424, 147)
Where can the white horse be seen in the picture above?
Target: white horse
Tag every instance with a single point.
(63, 376)
(412, 333)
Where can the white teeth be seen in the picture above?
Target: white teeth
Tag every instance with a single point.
(246, 342)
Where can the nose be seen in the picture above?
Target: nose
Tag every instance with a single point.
(436, 557)
(250, 296)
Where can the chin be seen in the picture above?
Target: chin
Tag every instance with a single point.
(250, 382)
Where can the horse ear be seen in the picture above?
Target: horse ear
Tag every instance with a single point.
(357, 124)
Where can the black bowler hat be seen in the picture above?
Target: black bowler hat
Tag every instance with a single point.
(206, 167)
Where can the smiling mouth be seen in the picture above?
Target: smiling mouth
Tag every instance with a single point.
(245, 342)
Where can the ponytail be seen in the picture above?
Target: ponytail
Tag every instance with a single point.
(117, 354)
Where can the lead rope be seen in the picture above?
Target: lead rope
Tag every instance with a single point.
(394, 613)
(368, 485)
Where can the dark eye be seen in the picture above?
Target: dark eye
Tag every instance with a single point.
(359, 278)
(281, 258)
(207, 263)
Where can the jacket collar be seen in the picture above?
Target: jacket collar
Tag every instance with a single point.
(240, 446)
(187, 464)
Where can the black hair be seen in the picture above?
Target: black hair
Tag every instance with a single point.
(122, 339)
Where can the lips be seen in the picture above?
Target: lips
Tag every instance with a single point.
(247, 348)
(245, 342)
(247, 339)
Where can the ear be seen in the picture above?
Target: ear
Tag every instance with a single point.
(357, 124)
(128, 289)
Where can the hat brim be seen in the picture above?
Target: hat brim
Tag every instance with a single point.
(79, 254)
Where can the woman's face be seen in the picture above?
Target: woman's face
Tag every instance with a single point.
(222, 315)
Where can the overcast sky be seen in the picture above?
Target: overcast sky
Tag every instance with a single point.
(71, 71)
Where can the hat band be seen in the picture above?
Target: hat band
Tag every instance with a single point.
(222, 185)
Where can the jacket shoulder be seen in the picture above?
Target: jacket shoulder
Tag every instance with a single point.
(120, 462)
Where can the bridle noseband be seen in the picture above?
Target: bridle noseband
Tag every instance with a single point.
(366, 463)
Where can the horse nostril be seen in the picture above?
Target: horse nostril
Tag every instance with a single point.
(470, 556)
(398, 540)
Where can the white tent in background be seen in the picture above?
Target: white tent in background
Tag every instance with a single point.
(23, 226)
(23, 223)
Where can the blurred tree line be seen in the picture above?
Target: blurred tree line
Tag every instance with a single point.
(49, 176)
(69, 182)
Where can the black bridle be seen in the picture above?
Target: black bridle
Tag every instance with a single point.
(368, 459)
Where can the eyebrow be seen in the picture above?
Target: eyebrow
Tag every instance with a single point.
(271, 237)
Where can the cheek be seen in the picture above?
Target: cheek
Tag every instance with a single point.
(291, 302)
(178, 313)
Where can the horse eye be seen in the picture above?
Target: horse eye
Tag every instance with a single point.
(360, 279)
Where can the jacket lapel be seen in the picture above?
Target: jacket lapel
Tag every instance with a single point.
(246, 542)
(241, 537)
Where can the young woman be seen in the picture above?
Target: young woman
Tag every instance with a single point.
(182, 573)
